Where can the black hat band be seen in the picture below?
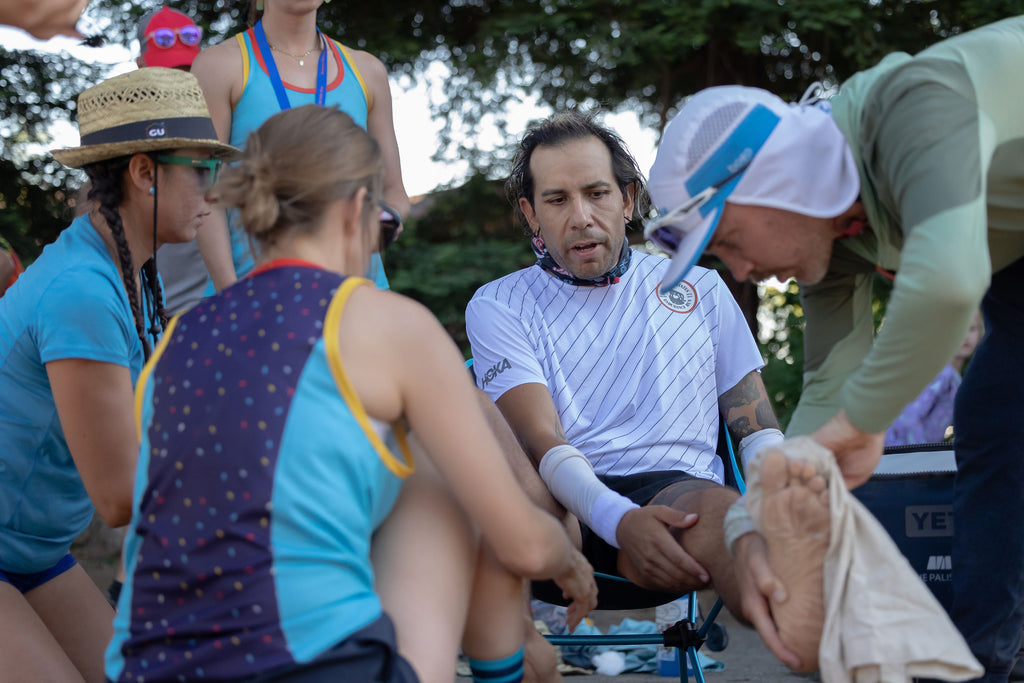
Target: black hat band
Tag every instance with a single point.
(189, 127)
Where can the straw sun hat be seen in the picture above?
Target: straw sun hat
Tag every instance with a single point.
(142, 111)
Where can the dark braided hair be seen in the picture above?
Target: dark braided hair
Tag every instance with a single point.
(150, 278)
(152, 283)
(107, 192)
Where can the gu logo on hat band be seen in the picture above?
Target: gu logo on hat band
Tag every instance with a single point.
(197, 127)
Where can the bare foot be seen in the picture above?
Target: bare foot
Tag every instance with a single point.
(540, 658)
(795, 521)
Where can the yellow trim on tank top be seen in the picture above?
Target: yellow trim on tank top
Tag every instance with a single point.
(147, 370)
(332, 345)
(245, 59)
(359, 77)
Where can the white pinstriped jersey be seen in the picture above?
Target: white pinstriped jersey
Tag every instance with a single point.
(635, 376)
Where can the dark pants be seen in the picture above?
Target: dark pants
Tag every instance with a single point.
(988, 501)
(617, 594)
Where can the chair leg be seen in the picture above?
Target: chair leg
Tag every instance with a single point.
(684, 636)
(698, 673)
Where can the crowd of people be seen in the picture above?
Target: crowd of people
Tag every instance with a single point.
(209, 357)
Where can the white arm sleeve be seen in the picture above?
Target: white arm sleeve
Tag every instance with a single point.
(571, 479)
(752, 444)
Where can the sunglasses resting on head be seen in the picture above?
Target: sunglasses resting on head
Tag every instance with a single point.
(164, 37)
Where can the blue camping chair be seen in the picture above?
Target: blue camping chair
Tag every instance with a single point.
(618, 593)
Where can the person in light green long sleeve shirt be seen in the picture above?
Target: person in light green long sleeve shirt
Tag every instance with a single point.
(915, 168)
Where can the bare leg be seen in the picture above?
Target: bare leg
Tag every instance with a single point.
(494, 628)
(55, 633)
(423, 558)
(79, 617)
(520, 463)
(540, 659)
(703, 541)
(795, 521)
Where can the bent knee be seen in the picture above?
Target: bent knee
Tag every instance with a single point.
(702, 496)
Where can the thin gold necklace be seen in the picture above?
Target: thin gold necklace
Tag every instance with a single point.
(301, 59)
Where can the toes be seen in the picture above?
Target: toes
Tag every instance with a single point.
(817, 484)
(774, 472)
(803, 471)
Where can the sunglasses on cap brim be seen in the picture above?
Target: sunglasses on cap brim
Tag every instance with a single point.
(390, 224)
(164, 37)
(668, 230)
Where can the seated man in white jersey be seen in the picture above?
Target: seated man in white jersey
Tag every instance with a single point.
(615, 392)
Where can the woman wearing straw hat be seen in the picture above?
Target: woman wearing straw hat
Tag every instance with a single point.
(285, 61)
(74, 330)
(281, 517)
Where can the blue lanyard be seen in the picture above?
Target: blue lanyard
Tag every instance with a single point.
(275, 77)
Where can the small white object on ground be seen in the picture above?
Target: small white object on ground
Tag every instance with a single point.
(610, 663)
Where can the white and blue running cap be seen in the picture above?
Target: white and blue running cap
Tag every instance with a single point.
(746, 146)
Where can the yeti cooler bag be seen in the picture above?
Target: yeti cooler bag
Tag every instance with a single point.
(911, 494)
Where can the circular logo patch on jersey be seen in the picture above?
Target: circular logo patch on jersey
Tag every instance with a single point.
(682, 298)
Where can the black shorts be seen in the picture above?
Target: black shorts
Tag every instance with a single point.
(369, 654)
(639, 488)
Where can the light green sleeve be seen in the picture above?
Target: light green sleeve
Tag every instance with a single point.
(943, 276)
(928, 145)
(837, 337)
(924, 145)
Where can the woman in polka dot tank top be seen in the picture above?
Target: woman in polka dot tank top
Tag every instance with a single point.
(285, 522)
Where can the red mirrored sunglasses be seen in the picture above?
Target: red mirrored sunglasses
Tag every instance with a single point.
(164, 37)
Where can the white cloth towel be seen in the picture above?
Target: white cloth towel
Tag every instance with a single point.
(882, 624)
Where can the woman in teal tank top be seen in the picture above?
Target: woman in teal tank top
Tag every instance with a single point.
(247, 79)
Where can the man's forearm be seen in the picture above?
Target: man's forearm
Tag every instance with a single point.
(572, 481)
(746, 407)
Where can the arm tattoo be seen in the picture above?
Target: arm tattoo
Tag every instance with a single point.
(745, 392)
(746, 407)
(765, 416)
(740, 427)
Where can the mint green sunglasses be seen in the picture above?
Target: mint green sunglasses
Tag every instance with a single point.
(206, 169)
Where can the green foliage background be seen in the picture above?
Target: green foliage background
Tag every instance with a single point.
(643, 56)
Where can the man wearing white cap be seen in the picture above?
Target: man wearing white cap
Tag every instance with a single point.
(614, 389)
(917, 166)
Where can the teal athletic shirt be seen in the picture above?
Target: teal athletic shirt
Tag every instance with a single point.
(70, 303)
